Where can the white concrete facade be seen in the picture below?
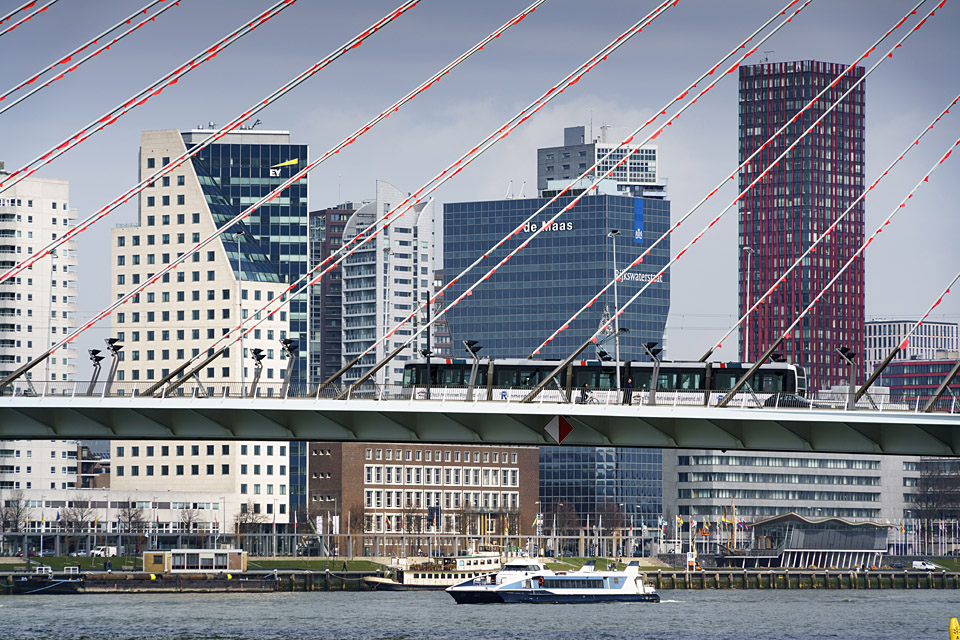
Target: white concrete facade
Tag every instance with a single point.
(248, 475)
(37, 307)
(384, 281)
(191, 307)
(43, 465)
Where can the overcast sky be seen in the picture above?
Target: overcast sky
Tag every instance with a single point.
(906, 267)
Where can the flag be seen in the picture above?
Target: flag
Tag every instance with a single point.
(94, 522)
(554, 524)
(536, 519)
(43, 519)
(693, 522)
(600, 523)
(58, 519)
(679, 522)
(296, 522)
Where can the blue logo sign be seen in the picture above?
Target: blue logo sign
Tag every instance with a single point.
(638, 220)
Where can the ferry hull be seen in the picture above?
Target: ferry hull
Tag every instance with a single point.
(540, 596)
(476, 596)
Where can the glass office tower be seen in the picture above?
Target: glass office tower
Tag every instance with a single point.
(536, 292)
(245, 166)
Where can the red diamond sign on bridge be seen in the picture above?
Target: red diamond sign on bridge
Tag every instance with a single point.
(558, 429)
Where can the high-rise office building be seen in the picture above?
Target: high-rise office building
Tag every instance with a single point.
(793, 204)
(37, 307)
(384, 280)
(326, 297)
(246, 165)
(542, 286)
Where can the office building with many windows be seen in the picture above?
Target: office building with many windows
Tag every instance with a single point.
(710, 484)
(930, 341)
(38, 306)
(793, 204)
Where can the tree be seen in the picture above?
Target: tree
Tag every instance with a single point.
(14, 513)
(189, 521)
(78, 516)
(937, 492)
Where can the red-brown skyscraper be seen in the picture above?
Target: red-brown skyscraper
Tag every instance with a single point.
(784, 214)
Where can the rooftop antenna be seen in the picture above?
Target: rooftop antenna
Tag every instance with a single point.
(507, 195)
(255, 123)
(766, 55)
(591, 126)
(521, 188)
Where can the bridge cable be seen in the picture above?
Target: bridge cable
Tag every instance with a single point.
(69, 57)
(273, 194)
(806, 132)
(347, 141)
(786, 333)
(451, 171)
(732, 176)
(140, 98)
(519, 228)
(903, 345)
(177, 162)
(822, 237)
(26, 18)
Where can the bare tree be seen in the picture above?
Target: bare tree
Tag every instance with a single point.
(937, 493)
(189, 521)
(14, 513)
(78, 516)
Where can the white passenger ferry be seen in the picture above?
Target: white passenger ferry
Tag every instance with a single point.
(535, 583)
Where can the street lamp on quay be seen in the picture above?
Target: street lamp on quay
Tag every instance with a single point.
(612, 234)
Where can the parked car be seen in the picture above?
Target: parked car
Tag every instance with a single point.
(896, 565)
(924, 565)
(789, 400)
(104, 552)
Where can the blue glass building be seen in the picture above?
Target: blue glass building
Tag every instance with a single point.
(243, 167)
(536, 292)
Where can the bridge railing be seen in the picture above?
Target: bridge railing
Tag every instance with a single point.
(274, 390)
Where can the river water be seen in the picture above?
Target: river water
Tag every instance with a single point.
(433, 615)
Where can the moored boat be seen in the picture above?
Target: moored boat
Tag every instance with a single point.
(438, 574)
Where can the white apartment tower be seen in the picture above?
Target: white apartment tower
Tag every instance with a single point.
(37, 307)
(384, 281)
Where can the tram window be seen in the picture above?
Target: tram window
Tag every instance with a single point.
(771, 382)
(584, 375)
(723, 380)
(529, 377)
(408, 376)
(641, 379)
(452, 376)
(667, 380)
(689, 380)
(505, 377)
(607, 379)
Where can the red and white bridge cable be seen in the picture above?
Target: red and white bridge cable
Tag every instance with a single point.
(412, 200)
(92, 219)
(69, 57)
(866, 243)
(709, 226)
(24, 7)
(276, 192)
(583, 175)
(140, 98)
(830, 229)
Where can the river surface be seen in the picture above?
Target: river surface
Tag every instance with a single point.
(734, 615)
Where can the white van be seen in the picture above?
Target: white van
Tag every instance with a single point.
(104, 552)
(924, 565)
